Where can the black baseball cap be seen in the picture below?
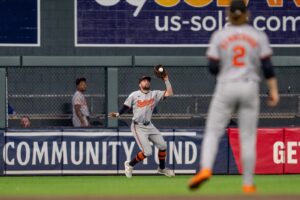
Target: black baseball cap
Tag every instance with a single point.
(145, 77)
(238, 6)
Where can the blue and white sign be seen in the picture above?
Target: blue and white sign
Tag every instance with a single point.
(33, 153)
(20, 23)
(186, 23)
(95, 151)
(129, 149)
(90, 152)
(187, 152)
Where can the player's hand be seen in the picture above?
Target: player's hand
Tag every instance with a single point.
(113, 114)
(273, 99)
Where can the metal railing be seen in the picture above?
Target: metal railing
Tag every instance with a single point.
(198, 107)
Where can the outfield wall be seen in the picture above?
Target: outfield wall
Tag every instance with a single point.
(103, 151)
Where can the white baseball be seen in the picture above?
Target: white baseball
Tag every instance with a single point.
(160, 69)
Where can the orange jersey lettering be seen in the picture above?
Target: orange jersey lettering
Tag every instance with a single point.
(146, 102)
(236, 37)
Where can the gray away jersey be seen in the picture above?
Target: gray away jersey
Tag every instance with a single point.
(239, 50)
(143, 104)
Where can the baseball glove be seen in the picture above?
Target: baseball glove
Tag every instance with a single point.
(160, 71)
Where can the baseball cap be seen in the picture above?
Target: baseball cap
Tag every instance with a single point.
(238, 6)
(145, 77)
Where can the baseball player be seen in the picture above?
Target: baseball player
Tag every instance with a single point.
(142, 102)
(236, 55)
(79, 105)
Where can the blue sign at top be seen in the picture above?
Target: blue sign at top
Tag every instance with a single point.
(177, 22)
(19, 22)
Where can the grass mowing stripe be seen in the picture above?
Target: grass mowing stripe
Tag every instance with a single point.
(141, 186)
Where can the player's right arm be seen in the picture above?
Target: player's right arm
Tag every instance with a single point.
(126, 107)
(268, 71)
(273, 92)
(271, 80)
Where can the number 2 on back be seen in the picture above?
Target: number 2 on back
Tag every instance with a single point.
(239, 53)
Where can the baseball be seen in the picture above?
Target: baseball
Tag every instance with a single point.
(160, 69)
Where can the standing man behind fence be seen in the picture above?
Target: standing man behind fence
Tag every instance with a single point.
(79, 105)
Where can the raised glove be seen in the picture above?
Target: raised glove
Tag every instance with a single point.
(160, 71)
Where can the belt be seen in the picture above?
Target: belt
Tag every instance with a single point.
(145, 123)
(245, 80)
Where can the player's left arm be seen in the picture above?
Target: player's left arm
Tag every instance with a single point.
(169, 90)
(213, 54)
(127, 106)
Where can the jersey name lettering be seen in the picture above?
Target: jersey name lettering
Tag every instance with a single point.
(145, 102)
(237, 37)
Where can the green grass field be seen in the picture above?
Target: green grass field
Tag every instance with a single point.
(141, 186)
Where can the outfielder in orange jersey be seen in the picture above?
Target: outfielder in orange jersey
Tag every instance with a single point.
(237, 54)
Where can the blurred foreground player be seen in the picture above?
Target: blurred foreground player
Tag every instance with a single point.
(236, 55)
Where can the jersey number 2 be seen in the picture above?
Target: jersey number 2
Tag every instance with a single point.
(238, 57)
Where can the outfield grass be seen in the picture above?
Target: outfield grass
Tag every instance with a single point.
(141, 186)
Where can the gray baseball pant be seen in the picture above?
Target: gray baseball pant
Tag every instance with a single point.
(144, 134)
(240, 96)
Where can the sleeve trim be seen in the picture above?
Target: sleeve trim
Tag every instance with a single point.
(266, 56)
(127, 106)
(213, 58)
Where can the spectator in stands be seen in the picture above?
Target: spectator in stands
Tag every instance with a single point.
(79, 105)
(25, 122)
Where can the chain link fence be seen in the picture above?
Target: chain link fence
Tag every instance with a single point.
(44, 94)
(193, 88)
